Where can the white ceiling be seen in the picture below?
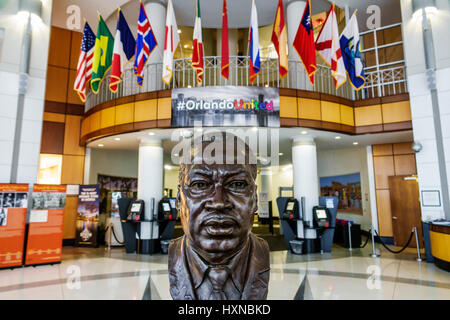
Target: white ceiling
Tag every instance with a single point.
(324, 140)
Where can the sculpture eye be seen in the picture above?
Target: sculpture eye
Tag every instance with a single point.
(238, 185)
(199, 185)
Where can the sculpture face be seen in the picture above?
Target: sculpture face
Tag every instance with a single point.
(217, 203)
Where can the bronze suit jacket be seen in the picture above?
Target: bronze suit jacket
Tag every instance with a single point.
(258, 271)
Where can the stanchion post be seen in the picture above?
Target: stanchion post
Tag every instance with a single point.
(110, 231)
(374, 253)
(419, 258)
(349, 236)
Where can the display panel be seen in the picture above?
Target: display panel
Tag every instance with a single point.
(173, 203)
(88, 215)
(290, 206)
(45, 230)
(13, 212)
(135, 207)
(321, 214)
(166, 206)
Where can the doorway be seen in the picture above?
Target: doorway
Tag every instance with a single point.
(405, 208)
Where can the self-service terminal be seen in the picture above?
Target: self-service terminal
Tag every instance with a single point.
(167, 217)
(308, 232)
(136, 210)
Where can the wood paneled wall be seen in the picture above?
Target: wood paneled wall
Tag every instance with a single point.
(63, 114)
(390, 160)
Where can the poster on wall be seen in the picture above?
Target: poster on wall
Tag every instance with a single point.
(13, 214)
(45, 228)
(88, 215)
(230, 106)
(263, 208)
(347, 188)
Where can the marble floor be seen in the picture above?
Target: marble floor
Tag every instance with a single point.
(87, 273)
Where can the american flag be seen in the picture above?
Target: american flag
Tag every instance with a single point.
(145, 43)
(84, 68)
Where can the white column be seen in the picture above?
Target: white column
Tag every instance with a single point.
(306, 180)
(266, 182)
(297, 74)
(156, 12)
(87, 166)
(372, 188)
(150, 181)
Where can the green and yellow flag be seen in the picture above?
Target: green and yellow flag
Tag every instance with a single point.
(103, 53)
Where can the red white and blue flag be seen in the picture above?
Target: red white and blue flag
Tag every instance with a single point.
(124, 46)
(84, 67)
(145, 44)
(197, 54)
(253, 39)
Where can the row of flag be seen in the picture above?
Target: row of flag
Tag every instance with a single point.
(102, 52)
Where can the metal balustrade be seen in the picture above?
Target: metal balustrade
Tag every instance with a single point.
(385, 80)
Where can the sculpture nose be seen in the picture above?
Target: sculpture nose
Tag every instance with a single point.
(218, 201)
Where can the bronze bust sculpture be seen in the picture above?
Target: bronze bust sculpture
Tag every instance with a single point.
(218, 258)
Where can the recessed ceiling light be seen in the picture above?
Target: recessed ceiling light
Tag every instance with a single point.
(304, 132)
(255, 128)
(281, 154)
(167, 167)
(151, 133)
(101, 145)
(337, 137)
(355, 143)
(186, 46)
(179, 31)
(117, 139)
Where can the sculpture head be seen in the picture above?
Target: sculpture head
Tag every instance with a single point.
(217, 197)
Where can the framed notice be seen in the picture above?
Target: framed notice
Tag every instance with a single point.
(13, 214)
(263, 209)
(45, 227)
(431, 198)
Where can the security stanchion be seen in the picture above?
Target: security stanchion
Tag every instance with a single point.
(374, 253)
(110, 233)
(349, 236)
(419, 258)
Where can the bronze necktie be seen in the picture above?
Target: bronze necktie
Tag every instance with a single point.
(218, 277)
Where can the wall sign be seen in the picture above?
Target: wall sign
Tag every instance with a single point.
(230, 106)
(431, 198)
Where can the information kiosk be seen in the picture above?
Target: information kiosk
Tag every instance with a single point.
(129, 228)
(167, 217)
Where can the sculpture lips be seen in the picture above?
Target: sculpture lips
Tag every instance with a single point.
(220, 226)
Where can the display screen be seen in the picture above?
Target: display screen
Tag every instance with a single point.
(321, 214)
(290, 206)
(173, 203)
(166, 206)
(136, 207)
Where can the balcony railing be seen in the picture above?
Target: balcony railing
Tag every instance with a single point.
(384, 80)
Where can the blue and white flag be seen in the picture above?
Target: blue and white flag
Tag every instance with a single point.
(253, 39)
(350, 47)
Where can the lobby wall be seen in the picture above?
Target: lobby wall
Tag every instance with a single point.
(116, 163)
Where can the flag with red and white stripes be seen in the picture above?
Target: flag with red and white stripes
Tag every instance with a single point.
(329, 48)
(84, 67)
(145, 44)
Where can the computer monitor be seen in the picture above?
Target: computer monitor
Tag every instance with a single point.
(290, 206)
(173, 203)
(166, 206)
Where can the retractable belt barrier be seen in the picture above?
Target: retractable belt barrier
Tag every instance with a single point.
(114, 233)
(399, 251)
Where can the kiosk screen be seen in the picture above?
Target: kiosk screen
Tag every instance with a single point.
(166, 207)
(290, 206)
(321, 214)
(173, 203)
(136, 207)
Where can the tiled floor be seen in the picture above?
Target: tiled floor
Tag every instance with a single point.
(98, 274)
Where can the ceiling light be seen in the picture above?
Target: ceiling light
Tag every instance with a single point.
(101, 145)
(167, 167)
(337, 138)
(304, 132)
(117, 139)
(179, 31)
(355, 143)
(186, 46)
(281, 154)
(151, 133)
(255, 128)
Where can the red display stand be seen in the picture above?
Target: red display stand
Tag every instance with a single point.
(45, 228)
(13, 213)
